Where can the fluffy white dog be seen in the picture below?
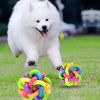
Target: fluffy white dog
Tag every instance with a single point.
(34, 29)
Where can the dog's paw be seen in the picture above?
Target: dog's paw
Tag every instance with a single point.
(58, 68)
(31, 63)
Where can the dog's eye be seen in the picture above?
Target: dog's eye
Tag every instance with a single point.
(47, 19)
(38, 21)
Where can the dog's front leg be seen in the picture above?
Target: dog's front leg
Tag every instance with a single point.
(55, 56)
(32, 57)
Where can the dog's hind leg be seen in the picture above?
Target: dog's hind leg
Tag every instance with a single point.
(13, 48)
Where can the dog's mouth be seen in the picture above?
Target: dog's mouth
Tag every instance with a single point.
(44, 33)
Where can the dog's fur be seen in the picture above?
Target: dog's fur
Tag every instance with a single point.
(25, 27)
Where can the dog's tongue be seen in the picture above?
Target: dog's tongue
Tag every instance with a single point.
(45, 34)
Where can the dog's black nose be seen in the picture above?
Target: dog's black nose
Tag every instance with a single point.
(44, 27)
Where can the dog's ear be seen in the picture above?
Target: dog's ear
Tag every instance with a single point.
(30, 8)
(46, 1)
(43, 0)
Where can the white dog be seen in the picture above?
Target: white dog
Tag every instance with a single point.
(34, 29)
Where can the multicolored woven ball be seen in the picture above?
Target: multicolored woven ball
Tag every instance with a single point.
(34, 86)
(70, 73)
